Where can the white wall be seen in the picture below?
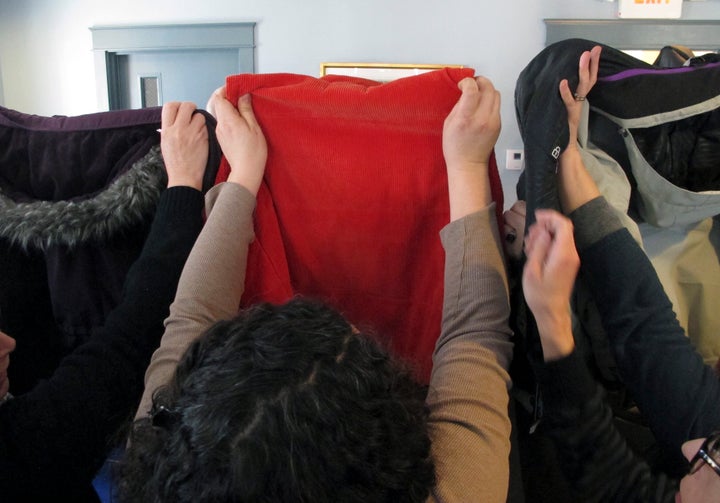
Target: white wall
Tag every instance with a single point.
(46, 60)
(2, 94)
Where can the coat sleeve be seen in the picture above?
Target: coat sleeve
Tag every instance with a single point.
(468, 392)
(597, 462)
(657, 361)
(211, 283)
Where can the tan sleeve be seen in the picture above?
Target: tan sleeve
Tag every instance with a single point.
(211, 283)
(468, 393)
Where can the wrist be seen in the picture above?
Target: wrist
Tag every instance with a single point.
(468, 191)
(576, 186)
(463, 166)
(251, 185)
(570, 155)
(184, 181)
(556, 337)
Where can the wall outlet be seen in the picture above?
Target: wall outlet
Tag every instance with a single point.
(514, 159)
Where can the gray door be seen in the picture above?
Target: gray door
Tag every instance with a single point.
(151, 78)
(143, 66)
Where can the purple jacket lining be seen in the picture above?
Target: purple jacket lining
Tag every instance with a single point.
(665, 71)
(100, 120)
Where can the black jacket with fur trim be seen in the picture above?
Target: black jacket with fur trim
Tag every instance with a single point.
(54, 438)
(77, 195)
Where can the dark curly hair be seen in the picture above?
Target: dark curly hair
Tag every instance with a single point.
(283, 403)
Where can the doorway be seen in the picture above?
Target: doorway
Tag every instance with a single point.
(144, 66)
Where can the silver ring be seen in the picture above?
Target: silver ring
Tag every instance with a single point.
(578, 97)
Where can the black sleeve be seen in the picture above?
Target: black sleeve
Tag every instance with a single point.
(658, 363)
(58, 434)
(597, 462)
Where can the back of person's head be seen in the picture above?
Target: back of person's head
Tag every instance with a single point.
(283, 403)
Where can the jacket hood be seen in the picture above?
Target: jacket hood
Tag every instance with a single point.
(128, 201)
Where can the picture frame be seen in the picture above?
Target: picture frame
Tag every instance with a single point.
(380, 72)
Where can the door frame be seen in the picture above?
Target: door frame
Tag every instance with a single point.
(637, 33)
(110, 42)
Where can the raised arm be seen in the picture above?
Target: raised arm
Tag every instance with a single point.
(678, 395)
(212, 281)
(657, 361)
(468, 393)
(596, 460)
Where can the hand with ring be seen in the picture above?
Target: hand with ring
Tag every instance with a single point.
(587, 73)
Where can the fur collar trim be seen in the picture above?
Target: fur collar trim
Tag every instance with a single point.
(129, 200)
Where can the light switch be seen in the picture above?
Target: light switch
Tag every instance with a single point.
(514, 159)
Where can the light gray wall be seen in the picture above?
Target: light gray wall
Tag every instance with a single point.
(2, 94)
(47, 61)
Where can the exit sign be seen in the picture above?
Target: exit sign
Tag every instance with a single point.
(653, 9)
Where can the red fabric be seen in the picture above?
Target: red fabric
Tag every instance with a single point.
(354, 195)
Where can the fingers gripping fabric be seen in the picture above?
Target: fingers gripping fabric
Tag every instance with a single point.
(354, 196)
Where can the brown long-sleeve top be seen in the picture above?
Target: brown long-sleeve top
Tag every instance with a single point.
(468, 392)
(469, 384)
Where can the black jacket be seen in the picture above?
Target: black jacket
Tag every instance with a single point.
(54, 438)
(77, 196)
(685, 152)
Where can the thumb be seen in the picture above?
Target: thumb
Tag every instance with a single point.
(538, 244)
(246, 111)
(469, 89)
